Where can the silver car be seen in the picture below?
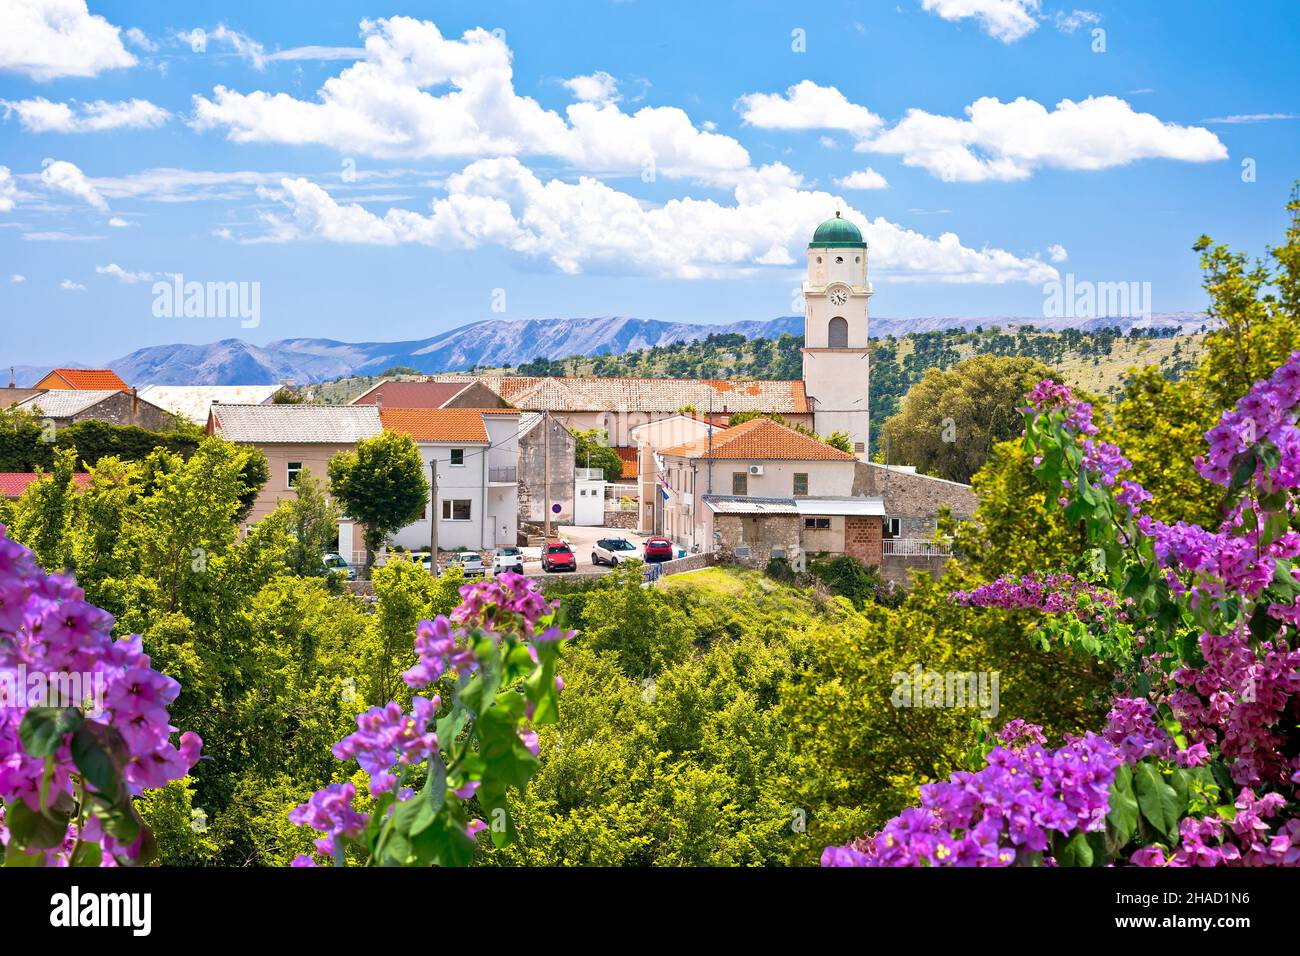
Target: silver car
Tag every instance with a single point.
(507, 559)
(469, 562)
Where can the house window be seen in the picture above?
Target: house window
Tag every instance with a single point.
(894, 527)
(800, 484)
(457, 457)
(817, 524)
(294, 468)
(858, 446)
(456, 509)
(837, 333)
(739, 483)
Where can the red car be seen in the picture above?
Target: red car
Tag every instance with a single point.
(558, 556)
(658, 549)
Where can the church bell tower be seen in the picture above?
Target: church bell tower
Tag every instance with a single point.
(835, 352)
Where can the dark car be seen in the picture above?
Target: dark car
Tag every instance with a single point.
(558, 556)
(658, 549)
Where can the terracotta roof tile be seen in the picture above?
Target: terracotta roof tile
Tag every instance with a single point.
(760, 439)
(14, 483)
(400, 394)
(630, 456)
(437, 424)
(584, 394)
(89, 378)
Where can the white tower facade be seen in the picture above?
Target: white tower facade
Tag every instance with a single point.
(836, 356)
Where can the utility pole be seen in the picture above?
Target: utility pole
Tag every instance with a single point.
(546, 505)
(433, 515)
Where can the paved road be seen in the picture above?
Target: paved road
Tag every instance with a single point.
(582, 540)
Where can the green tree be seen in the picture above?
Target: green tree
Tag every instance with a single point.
(951, 419)
(592, 450)
(312, 523)
(382, 485)
(636, 623)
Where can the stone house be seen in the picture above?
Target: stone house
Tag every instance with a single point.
(64, 406)
(538, 499)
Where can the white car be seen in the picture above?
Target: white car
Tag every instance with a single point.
(507, 559)
(612, 550)
(469, 562)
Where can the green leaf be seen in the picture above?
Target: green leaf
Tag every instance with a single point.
(1075, 852)
(36, 831)
(43, 729)
(1159, 802)
(88, 854)
(98, 750)
(1122, 819)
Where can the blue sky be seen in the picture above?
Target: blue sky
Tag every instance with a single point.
(391, 171)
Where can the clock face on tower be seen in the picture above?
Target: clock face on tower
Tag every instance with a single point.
(839, 296)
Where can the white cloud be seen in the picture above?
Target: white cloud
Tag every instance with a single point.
(808, 106)
(598, 87)
(1005, 20)
(46, 39)
(167, 184)
(58, 237)
(1069, 22)
(67, 285)
(1057, 252)
(140, 40)
(1009, 141)
(113, 269)
(589, 226)
(117, 222)
(420, 95)
(39, 115)
(996, 140)
(241, 44)
(318, 53)
(863, 179)
(8, 190)
(17, 277)
(65, 177)
(1250, 118)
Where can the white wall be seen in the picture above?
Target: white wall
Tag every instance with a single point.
(493, 511)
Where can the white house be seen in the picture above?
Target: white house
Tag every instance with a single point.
(477, 453)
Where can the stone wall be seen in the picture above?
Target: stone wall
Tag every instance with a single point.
(913, 499)
(898, 569)
(532, 473)
(621, 519)
(863, 539)
(750, 540)
(123, 408)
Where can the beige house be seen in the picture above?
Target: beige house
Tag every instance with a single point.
(293, 437)
(763, 490)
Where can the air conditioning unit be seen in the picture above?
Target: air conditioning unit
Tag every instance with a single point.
(755, 469)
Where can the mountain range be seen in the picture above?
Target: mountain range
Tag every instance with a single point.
(499, 343)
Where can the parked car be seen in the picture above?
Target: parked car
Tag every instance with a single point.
(558, 556)
(336, 563)
(612, 550)
(469, 562)
(507, 559)
(658, 549)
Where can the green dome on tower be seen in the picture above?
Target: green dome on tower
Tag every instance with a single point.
(837, 232)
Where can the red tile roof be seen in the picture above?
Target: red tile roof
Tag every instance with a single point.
(760, 439)
(437, 424)
(86, 378)
(14, 483)
(591, 393)
(630, 455)
(412, 394)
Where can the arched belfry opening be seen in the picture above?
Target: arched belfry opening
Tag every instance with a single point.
(837, 333)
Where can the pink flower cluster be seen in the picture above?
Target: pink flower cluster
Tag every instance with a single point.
(386, 737)
(48, 630)
(1265, 413)
(1000, 815)
(1052, 593)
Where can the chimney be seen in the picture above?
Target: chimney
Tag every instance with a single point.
(379, 401)
(11, 377)
(135, 402)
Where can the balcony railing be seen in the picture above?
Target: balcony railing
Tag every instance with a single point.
(916, 548)
(589, 474)
(508, 473)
